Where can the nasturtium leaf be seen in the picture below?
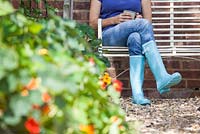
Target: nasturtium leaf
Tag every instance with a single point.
(114, 94)
(5, 8)
(71, 24)
(36, 114)
(35, 28)
(12, 82)
(12, 120)
(80, 115)
(20, 105)
(21, 20)
(2, 72)
(35, 97)
(60, 102)
(9, 59)
(114, 129)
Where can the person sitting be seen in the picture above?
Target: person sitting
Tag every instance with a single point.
(121, 29)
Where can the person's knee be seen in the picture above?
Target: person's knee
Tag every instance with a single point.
(134, 44)
(145, 24)
(133, 38)
(146, 30)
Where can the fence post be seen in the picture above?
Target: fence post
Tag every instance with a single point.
(68, 9)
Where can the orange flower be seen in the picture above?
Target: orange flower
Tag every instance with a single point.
(43, 51)
(46, 97)
(32, 126)
(45, 109)
(103, 85)
(91, 61)
(114, 118)
(117, 85)
(88, 129)
(36, 107)
(33, 84)
(1, 112)
(24, 92)
(122, 128)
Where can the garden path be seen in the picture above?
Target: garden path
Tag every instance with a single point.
(164, 116)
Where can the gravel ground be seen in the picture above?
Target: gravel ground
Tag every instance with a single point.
(165, 116)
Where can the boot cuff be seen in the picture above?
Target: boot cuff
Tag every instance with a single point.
(148, 46)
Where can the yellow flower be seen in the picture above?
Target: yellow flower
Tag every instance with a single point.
(106, 74)
(43, 51)
(107, 79)
(88, 129)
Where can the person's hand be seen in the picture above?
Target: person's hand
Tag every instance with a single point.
(138, 16)
(123, 17)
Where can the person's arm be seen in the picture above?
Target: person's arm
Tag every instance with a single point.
(95, 8)
(146, 9)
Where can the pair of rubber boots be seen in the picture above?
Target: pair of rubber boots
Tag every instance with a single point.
(163, 80)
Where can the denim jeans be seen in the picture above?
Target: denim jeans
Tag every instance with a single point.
(133, 34)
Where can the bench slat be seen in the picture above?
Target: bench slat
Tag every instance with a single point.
(176, 35)
(178, 41)
(175, 7)
(177, 29)
(175, 12)
(173, 1)
(166, 24)
(176, 18)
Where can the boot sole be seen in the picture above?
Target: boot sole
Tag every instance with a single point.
(170, 83)
(143, 104)
(164, 90)
(146, 102)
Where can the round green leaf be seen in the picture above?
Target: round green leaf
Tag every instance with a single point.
(20, 105)
(12, 120)
(9, 59)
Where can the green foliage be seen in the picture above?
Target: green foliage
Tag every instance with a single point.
(32, 9)
(88, 33)
(5, 8)
(46, 74)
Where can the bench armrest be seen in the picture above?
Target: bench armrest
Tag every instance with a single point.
(100, 49)
(99, 28)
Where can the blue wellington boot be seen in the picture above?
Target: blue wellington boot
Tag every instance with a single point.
(137, 64)
(163, 80)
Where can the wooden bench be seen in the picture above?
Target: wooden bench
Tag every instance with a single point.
(176, 29)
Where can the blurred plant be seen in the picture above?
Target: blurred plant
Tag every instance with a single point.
(49, 80)
(89, 34)
(37, 9)
(38, 13)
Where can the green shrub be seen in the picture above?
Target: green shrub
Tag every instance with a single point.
(50, 80)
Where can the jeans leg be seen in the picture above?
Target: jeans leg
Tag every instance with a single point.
(111, 37)
(134, 44)
(118, 35)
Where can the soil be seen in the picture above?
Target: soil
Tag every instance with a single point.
(164, 116)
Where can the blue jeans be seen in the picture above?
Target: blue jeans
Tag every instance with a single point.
(133, 34)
